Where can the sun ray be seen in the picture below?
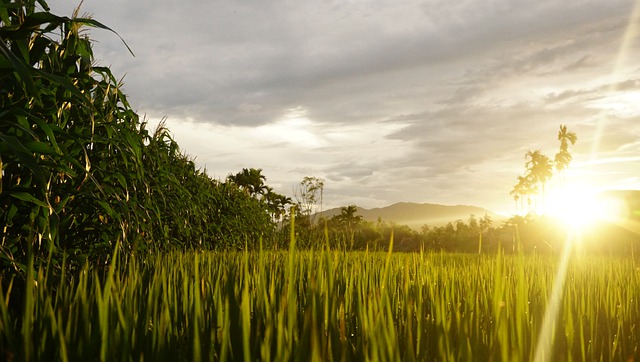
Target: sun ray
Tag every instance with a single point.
(578, 205)
(544, 346)
(629, 36)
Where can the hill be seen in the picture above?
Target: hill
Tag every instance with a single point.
(416, 215)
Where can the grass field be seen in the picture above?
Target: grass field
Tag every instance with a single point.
(328, 305)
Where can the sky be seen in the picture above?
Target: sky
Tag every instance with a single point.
(388, 101)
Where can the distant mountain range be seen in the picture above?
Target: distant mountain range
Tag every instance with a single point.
(416, 215)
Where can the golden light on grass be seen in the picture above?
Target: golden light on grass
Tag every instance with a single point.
(581, 208)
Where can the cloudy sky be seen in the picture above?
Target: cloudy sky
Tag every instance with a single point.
(424, 101)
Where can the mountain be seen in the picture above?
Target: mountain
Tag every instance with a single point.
(416, 215)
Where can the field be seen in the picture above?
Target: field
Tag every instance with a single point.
(328, 305)
(80, 171)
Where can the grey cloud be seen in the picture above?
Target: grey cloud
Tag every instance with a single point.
(580, 96)
(279, 54)
(569, 94)
(585, 62)
(439, 67)
(348, 172)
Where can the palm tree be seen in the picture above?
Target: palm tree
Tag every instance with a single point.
(276, 204)
(564, 135)
(563, 157)
(515, 193)
(528, 189)
(348, 215)
(256, 180)
(349, 220)
(521, 189)
(251, 180)
(539, 169)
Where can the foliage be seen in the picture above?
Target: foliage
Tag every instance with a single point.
(539, 169)
(348, 231)
(325, 305)
(563, 157)
(309, 196)
(80, 170)
(252, 181)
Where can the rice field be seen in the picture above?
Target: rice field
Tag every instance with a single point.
(326, 305)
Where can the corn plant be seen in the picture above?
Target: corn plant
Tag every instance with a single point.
(80, 170)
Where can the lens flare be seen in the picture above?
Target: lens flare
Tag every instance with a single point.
(581, 208)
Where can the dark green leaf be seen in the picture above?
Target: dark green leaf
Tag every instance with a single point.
(39, 147)
(25, 196)
(23, 154)
(24, 72)
(97, 24)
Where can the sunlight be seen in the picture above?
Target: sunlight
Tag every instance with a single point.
(620, 104)
(629, 36)
(581, 206)
(295, 128)
(544, 346)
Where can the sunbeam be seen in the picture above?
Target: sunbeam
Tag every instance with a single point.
(546, 337)
(625, 45)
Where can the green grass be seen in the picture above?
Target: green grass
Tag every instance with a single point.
(324, 305)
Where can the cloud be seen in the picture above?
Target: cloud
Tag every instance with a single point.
(389, 101)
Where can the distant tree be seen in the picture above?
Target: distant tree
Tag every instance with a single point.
(348, 221)
(563, 157)
(539, 169)
(485, 224)
(276, 204)
(523, 189)
(309, 195)
(348, 215)
(473, 222)
(516, 193)
(251, 180)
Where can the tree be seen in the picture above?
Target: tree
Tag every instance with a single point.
(309, 195)
(348, 215)
(563, 157)
(485, 224)
(539, 169)
(565, 137)
(348, 221)
(251, 180)
(276, 204)
(516, 193)
(524, 187)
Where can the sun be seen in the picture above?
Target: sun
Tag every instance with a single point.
(581, 207)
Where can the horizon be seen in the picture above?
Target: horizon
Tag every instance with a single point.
(440, 107)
